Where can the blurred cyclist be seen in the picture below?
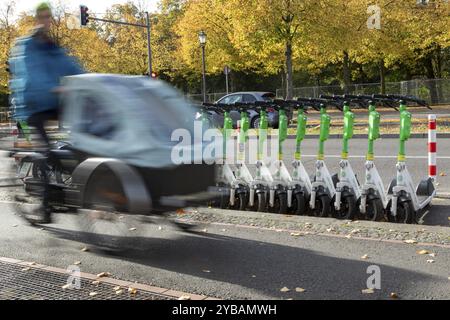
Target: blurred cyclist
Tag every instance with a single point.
(37, 64)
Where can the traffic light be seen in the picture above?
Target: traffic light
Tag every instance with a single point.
(84, 15)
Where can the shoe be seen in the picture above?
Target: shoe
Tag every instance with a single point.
(39, 216)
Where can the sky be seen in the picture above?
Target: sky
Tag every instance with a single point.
(95, 6)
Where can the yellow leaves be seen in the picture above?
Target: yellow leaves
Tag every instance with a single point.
(367, 291)
(103, 275)
(393, 295)
(422, 252)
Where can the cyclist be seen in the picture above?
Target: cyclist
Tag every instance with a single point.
(37, 64)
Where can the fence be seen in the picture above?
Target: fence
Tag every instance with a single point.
(436, 91)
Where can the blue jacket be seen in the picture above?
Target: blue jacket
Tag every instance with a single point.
(36, 69)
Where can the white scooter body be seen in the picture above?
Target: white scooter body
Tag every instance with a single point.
(226, 176)
(373, 182)
(347, 179)
(405, 184)
(263, 177)
(323, 179)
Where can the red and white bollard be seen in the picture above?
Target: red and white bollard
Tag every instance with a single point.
(432, 146)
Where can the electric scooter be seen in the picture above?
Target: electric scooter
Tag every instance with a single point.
(323, 187)
(374, 198)
(347, 189)
(408, 201)
(298, 184)
(270, 195)
(233, 192)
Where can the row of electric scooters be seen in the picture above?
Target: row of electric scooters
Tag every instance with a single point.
(279, 190)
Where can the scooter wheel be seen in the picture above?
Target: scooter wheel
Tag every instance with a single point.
(405, 212)
(261, 207)
(280, 205)
(240, 202)
(374, 209)
(299, 204)
(348, 207)
(323, 206)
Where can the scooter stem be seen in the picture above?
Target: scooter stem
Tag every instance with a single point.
(301, 132)
(325, 122)
(405, 130)
(374, 130)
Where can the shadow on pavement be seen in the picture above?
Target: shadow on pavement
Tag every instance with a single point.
(265, 268)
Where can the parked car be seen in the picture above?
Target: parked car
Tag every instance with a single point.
(248, 97)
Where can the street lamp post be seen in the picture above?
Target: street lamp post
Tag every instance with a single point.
(202, 39)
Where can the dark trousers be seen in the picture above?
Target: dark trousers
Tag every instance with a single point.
(39, 119)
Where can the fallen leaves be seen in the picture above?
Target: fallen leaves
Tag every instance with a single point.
(296, 234)
(119, 292)
(77, 263)
(443, 174)
(285, 289)
(394, 295)
(181, 211)
(367, 291)
(15, 225)
(410, 241)
(132, 290)
(206, 271)
(84, 249)
(103, 275)
(430, 261)
(132, 229)
(93, 294)
(67, 286)
(26, 269)
(96, 282)
(330, 230)
(299, 290)
(184, 298)
(365, 257)
(422, 252)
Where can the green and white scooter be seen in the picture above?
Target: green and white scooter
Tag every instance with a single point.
(234, 191)
(323, 187)
(298, 183)
(407, 200)
(374, 198)
(347, 189)
(265, 192)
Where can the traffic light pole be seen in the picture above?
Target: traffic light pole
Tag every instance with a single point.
(147, 26)
(149, 46)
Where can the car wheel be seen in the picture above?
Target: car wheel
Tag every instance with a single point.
(255, 122)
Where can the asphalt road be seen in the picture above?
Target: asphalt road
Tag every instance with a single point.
(235, 262)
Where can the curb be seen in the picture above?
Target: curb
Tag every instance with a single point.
(110, 281)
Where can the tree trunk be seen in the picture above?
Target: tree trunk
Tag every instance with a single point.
(382, 77)
(346, 72)
(289, 71)
(430, 75)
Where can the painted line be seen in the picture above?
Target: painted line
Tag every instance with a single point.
(115, 282)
